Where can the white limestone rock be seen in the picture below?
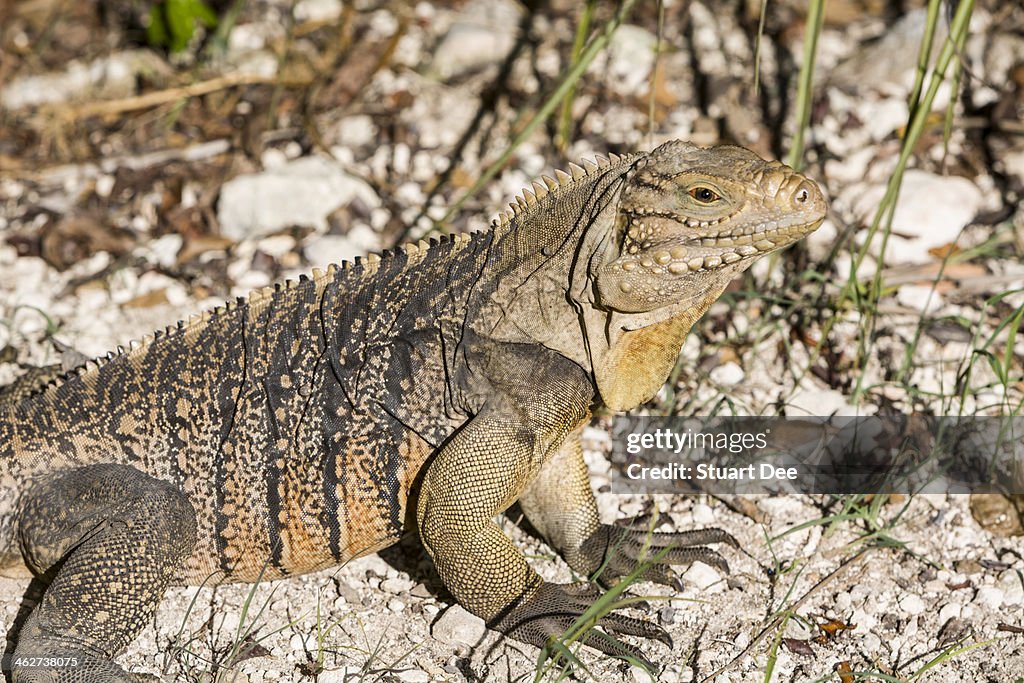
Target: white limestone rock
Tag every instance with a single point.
(303, 192)
(482, 34)
(931, 212)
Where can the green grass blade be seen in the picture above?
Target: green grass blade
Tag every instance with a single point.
(924, 55)
(815, 17)
(579, 40)
(883, 217)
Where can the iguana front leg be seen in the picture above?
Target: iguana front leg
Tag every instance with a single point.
(534, 401)
(561, 505)
(477, 474)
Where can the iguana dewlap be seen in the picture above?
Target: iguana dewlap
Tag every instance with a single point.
(428, 388)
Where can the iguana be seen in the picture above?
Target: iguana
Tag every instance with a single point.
(426, 388)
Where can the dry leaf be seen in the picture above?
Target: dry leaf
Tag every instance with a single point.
(798, 647)
(834, 626)
(844, 671)
(76, 238)
(997, 514)
(157, 297)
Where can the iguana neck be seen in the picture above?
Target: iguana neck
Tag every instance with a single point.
(540, 258)
(539, 288)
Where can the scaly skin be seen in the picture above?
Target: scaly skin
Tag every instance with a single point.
(429, 389)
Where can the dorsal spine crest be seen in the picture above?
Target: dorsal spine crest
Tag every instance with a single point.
(539, 191)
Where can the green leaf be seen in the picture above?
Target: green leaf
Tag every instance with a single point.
(156, 31)
(181, 22)
(172, 23)
(202, 13)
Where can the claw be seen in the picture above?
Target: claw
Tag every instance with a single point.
(692, 538)
(663, 574)
(628, 626)
(553, 609)
(610, 645)
(698, 554)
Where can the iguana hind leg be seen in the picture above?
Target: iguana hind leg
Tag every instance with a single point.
(111, 538)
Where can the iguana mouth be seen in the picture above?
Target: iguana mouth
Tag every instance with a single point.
(711, 252)
(753, 242)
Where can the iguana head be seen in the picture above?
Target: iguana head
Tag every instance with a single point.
(686, 220)
(691, 218)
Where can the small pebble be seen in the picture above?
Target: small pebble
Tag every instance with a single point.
(420, 591)
(727, 375)
(704, 578)
(350, 594)
(104, 185)
(949, 611)
(968, 567)
(871, 643)
(396, 585)
(703, 514)
(302, 642)
(989, 597)
(277, 245)
(640, 675)
(457, 625)
(1012, 586)
(797, 629)
(912, 604)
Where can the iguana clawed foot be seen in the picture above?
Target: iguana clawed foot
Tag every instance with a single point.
(615, 551)
(554, 608)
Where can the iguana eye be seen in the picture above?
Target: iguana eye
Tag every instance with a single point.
(704, 195)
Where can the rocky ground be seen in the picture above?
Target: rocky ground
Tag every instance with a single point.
(137, 188)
